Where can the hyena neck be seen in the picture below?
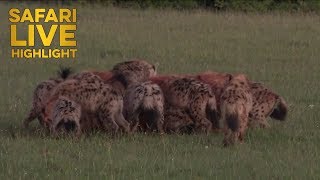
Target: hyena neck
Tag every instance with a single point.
(119, 83)
(161, 81)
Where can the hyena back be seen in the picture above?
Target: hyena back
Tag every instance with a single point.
(191, 95)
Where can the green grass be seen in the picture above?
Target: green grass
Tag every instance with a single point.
(280, 50)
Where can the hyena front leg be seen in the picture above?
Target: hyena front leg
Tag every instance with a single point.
(106, 117)
(160, 121)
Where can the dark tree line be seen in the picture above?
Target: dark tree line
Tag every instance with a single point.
(240, 5)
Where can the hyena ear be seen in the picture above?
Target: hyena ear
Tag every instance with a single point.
(156, 65)
(247, 79)
(229, 76)
(122, 78)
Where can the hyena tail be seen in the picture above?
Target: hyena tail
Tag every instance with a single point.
(66, 114)
(281, 110)
(211, 112)
(64, 72)
(152, 114)
(148, 102)
(231, 115)
(232, 121)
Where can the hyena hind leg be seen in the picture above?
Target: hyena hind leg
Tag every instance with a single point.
(108, 122)
(122, 122)
(159, 120)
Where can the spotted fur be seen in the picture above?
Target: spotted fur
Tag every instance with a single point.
(191, 95)
(98, 97)
(236, 103)
(265, 103)
(134, 71)
(66, 116)
(41, 94)
(177, 120)
(145, 100)
(101, 97)
(217, 82)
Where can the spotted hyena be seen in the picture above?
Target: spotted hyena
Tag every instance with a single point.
(69, 117)
(191, 95)
(41, 95)
(266, 103)
(43, 91)
(177, 119)
(236, 103)
(217, 82)
(93, 94)
(100, 97)
(144, 105)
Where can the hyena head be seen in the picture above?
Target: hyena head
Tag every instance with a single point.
(65, 115)
(104, 75)
(215, 79)
(134, 71)
(241, 80)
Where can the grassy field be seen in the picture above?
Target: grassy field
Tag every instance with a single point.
(280, 50)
